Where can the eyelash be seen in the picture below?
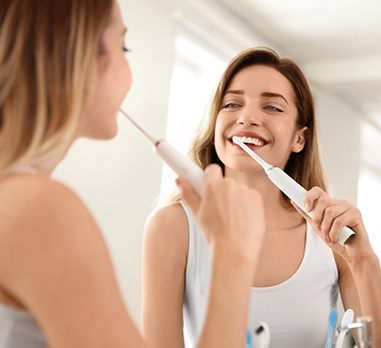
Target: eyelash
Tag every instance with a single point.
(229, 105)
(273, 108)
(234, 105)
(126, 50)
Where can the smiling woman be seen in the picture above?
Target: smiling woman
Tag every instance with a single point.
(267, 100)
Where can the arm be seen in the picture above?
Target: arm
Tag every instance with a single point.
(235, 237)
(165, 252)
(359, 266)
(54, 261)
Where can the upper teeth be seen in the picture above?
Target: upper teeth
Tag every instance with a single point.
(250, 140)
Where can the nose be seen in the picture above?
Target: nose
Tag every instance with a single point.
(249, 118)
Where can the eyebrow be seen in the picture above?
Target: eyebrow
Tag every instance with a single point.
(234, 91)
(274, 95)
(264, 94)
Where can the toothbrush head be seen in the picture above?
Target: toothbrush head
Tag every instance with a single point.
(347, 318)
(332, 318)
(266, 166)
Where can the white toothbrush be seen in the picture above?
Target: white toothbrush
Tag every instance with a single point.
(287, 185)
(181, 165)
(261, 337)
(347, 319)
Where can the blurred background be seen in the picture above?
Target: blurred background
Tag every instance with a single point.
(179, 50)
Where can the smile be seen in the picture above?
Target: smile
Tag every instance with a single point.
(252, 141)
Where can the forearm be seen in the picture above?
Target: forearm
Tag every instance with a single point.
(229, 294)
(367, 276)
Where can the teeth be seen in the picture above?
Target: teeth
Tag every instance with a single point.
(254, 141)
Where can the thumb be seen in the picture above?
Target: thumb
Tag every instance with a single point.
(190, 196)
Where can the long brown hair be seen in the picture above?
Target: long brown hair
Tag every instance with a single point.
(306, 166)
(47, 55)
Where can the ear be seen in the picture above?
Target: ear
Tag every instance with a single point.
(300, 140)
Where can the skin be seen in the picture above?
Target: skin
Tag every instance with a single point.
(54, 262)
(253, 109)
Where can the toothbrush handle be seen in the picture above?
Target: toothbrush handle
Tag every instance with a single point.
(181, 165)
(329, 339)
(296, 193)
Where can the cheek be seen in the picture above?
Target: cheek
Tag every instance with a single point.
(220, 135)
(119, 79)
(105, 100)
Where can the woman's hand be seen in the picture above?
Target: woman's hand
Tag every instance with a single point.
(330, 216)
(229, 213)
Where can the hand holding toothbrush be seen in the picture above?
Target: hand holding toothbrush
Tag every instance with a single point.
(330, 216)
(220, 216)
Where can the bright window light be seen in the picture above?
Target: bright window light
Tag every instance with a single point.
(369, 188)
(195, 76)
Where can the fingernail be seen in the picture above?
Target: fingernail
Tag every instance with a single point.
(327, 239)
(308, 206)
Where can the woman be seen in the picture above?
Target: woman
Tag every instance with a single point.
(63, 75)
(265, 100)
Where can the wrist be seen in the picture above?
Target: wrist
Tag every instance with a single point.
(230, 252)
(359, 263)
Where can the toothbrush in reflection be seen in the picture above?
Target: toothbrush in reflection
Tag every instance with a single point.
(332, 320)
(347, 319)
(261, 337)
(288, 186)
(181, 165)
(249, 340)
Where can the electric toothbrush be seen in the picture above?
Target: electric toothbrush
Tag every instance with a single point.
(347, 319)
(288, 186)
(261, 338)
(182, 166)
(332, 320)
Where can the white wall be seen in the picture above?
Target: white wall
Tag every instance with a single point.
(120, 179)
(340, 139)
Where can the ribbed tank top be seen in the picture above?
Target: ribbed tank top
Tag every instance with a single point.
(296, 310)
(18, 329)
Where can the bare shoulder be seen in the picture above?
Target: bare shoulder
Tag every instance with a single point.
(40, 214)
(169, 220)
(53, 259)
(24, 198)
(170, 215)
(168, 227)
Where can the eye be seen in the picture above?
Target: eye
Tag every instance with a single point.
(126, 50)
(230, 105)
(273, 108)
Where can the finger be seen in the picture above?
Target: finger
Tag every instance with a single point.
(321, 204)
(190, 196)
(348, 218)
(309, 220)
(312, 197)
(330, 214)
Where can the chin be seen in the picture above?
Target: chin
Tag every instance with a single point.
(101, 133)
(108, 134)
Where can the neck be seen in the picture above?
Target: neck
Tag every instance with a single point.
(278, 211)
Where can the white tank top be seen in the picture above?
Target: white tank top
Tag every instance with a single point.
(18, 329)
(296, 310)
